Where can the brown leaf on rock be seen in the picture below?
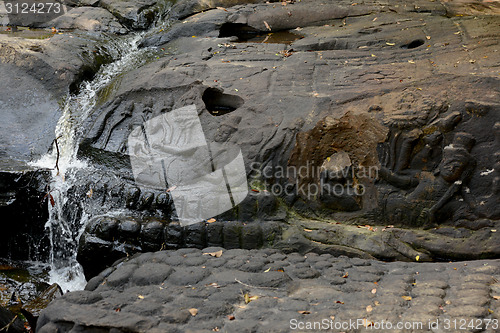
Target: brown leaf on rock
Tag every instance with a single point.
(369, 308)
(193, 311)
(406, 298)
(230, 317)
(304, 312)
(217, 254)
(367, 323)
(346, 275)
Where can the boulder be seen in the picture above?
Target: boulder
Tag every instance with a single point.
(88, 19)
(133, 14)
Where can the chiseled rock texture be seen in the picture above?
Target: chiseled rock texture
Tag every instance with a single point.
(399, 99)
(389, 84)
(191, 290)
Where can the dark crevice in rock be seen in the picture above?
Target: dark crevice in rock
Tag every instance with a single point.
(94, 61)
(413, 44)
(244, 32)
(218, 103)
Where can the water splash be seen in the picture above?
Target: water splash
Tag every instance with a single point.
(64, 225)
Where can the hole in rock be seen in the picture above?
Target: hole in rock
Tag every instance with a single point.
(218, 103)
(413, 44)
(246, 33)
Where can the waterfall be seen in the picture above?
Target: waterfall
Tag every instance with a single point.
(65, 228)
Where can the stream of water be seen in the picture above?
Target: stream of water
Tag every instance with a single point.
(65, 229)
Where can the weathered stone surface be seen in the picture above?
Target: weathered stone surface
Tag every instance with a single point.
(353, 86)
(133, 14)
(88, 19)
(183, 298)
(106, 238)
(22, 186)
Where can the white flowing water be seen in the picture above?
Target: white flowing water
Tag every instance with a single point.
(65, 229)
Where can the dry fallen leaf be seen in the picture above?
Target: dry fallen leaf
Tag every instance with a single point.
(222, 8)
(267, 26)
(390, 44)
(369, 308)
(304, 312)
(346, 275)
(249, 298)
(193, 311)
(406, 298)
(267, 270)
(230, 317)
(448, 302)
(140, 296)
(339, 302)
(367, 323)
(417, 258)
(212, 220)
(374, 291)
(377, 303)
(496, 297)
(332, 317)
(214, 254)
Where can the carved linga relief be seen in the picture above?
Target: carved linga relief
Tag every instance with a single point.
(337, 160)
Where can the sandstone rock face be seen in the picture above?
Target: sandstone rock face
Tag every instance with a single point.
(88, 19)
(268, 291)
(390, 109)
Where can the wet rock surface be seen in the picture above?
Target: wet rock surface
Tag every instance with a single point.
(192, 290)
(22, 186)
(23, 294)
(107, 239)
